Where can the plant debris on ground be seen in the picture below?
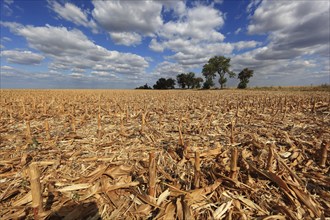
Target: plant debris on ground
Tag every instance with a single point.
(116, 154)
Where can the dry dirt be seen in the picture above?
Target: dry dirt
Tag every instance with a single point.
(117, 154)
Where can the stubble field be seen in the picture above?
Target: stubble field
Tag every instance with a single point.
(124, 154)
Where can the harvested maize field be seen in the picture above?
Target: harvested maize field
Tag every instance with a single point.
(117, 154)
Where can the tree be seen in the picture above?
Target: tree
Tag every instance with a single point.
(188, 80)
(163, 83)
(181, 79)
(170, 83)
(208, 83)
(220, 65)
(197, 82)
(244, 77)
(190, 77)
(143, 87)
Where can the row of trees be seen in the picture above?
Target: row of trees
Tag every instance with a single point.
(216, 65)
(189, 80)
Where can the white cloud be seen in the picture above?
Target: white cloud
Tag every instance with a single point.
(71, 12)
(245, 44)
(297, 52)
(167, 69)
(6, 68)
(6, 7)
(200, 23)
(238, 31)
(71, 49)
(76, 75)
(194, 36)
(126, 38)
(253, 5)
(5, 39)
(104, 74)
(22, 57)
(156, 46)
(297, 71)
(294, 27)
(125, 16)
(128, 19)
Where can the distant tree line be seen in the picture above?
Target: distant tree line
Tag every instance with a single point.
(216, 65)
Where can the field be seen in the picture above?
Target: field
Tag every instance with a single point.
(120, 154)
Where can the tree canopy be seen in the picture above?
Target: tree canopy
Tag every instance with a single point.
(144, 87)
(189, 80)
(244, 77)
(163, 83)
(220, 65)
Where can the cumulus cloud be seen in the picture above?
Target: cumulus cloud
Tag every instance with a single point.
(193, 37)
(296, 71)
(294, 28)
(71, 12)
(6, 68)
(156, 46)
(200, 23)
(71, 49)
(125, 16)
(297, 50)
(22, 57)
(128, 18)
(167, 69)
(126, 38)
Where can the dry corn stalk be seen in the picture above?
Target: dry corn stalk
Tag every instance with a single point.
(152, 174)
(99, 127)
(28, 131)
(270, 158)
(73, 124)
(143, 121)
(233, 163)
(232, 131)
(47, 130)
(34, 175)
(197, 170)
(180, 142)
(324, 155)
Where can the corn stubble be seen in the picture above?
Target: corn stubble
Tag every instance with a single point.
(102, 154)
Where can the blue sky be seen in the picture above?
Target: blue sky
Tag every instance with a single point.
(127, 43)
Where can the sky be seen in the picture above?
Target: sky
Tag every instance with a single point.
(127, 43)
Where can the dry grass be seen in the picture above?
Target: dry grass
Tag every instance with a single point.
(115, 154)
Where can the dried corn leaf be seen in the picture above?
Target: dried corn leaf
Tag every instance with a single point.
(220, 212)
(75, 187)
(118, 171)
(27, 198)
(162, 197)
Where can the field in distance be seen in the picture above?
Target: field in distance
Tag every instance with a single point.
(137, 154)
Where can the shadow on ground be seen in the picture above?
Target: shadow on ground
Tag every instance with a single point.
(77, 211)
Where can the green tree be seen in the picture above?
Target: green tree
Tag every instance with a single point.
(181, 79)
(197, 82)
(170, 83)
(208, 83)
(190, 79)
(143, 87)
(163, 83)
(220, 65)
(244, 77)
